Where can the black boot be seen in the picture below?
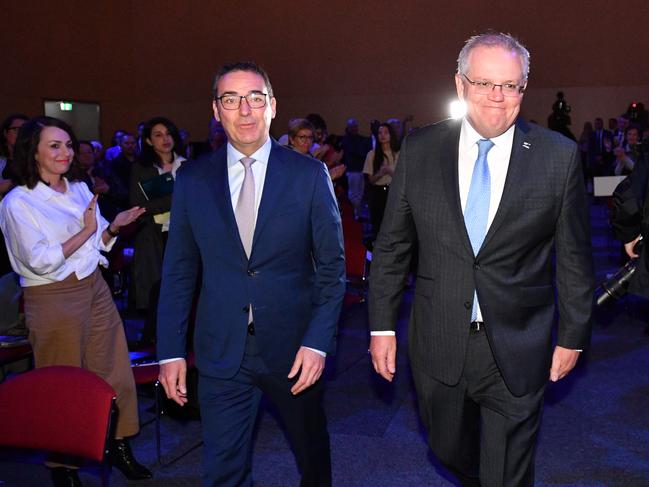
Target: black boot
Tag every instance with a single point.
(65, 477)
(122, 458)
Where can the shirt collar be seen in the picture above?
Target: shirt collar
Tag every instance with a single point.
(260, 155)
(45, 193)
(469, 137)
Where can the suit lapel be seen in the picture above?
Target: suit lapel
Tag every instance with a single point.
(519, 161)
(449, 144)
(222, 198)
(273, 188)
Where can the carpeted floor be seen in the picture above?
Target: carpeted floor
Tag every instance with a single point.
(595, 429)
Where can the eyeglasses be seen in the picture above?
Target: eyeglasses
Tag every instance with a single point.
(304, 138)
(233, 102)
(14, 129)
(486, 87)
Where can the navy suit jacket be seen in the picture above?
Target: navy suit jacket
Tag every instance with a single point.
(294, 279)
(542, 217)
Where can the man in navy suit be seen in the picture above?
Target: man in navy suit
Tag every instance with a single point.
(490, 203)
(260, 224)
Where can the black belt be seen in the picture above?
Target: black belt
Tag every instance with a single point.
(251, 329)
(476, 326)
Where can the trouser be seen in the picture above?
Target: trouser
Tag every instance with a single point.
(378, 197)
(228, 413)
(75, 322)
(480, 431)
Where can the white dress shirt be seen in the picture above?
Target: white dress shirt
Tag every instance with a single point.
(498, 161)
(36, 222)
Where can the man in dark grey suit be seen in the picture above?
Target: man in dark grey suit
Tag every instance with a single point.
(487, 201)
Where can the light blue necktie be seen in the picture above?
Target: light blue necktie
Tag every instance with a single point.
(476, 211)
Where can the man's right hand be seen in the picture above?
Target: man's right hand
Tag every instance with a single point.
(384, 354)
(172, 377)
(628, 247)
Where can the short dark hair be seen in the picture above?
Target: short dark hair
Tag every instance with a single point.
(248, 66)
(6, 123)
(148, 156)
(25, 166)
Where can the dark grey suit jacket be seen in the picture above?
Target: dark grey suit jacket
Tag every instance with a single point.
(543, 212)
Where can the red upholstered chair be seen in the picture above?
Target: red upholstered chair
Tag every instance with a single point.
(355, 261)
(58, 409)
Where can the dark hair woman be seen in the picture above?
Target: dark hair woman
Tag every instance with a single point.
(379, 168)
(55, 234)
(161, 145)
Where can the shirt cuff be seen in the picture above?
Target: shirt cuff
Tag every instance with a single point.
(317, 351)
(387, 333)
(167, 360)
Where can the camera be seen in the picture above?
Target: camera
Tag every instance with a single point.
(618, 284)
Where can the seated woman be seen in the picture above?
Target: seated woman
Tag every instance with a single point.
(159, 155)
(54, 234)
(379, 168)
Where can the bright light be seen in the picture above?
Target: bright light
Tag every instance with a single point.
(457, 109)
(65, 106)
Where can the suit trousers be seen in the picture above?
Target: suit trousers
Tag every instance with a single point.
(229, 410)
(480, 431)
(75, 322)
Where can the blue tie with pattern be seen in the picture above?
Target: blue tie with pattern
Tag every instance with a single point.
(476, 211)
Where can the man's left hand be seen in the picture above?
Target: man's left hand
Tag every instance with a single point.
(563, 361)
(312, 365)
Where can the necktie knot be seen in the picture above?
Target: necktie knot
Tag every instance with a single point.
(484, 146)
(247, 162)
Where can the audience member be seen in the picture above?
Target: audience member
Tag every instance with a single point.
(113, 151)
(8, 134)
(217, 136)
(98, 149)
(55, 234)
(160, 144)
(619, 133)
(627, 155)
(379, 167)
(355, 148)
(300, 135)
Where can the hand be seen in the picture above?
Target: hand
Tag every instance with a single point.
(90, 216)
(563, 361)
(312, 365)
(320, 152)
(337, 171)
(128, 216)
(628, 247)
(384, 354)
(172, 377)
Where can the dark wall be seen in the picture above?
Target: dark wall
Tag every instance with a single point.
(340, 58)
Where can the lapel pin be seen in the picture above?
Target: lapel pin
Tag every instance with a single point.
(527, 145)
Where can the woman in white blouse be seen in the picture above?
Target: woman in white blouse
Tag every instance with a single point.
(54, 234)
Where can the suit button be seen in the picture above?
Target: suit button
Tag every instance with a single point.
(468, 304)
(251, 272)
(246, 308)
(476, 266)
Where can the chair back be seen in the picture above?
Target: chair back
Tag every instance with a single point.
(60, 409)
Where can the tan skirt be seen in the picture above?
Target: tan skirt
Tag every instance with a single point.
(75, 322)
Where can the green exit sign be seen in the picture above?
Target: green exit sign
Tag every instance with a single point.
(65, 106)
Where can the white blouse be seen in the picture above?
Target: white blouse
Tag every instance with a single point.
(35, 223)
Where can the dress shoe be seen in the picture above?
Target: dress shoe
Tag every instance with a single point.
(122, 458)
(65, 477)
